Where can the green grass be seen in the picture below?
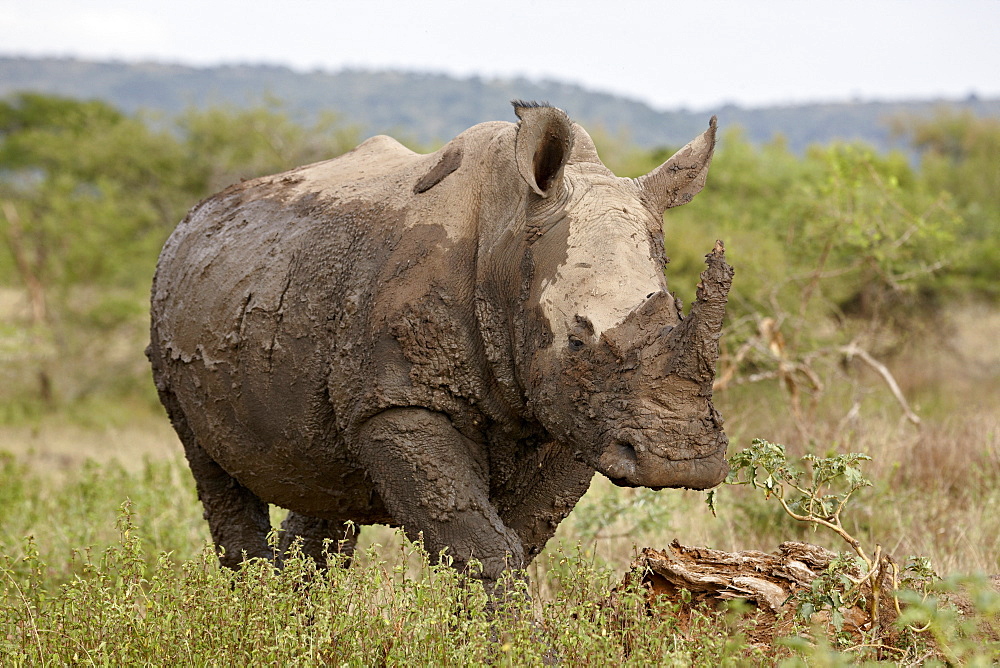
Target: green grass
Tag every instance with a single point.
(110, 563)
(131, 602)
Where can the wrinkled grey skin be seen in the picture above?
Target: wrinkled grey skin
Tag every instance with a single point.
(451, 342)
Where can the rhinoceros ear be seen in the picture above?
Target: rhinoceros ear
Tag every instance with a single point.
(542, 147)
(680, 178)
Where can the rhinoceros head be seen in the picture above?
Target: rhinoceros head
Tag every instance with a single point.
(606, 359)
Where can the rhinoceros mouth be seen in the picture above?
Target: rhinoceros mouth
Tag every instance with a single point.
(624, 466)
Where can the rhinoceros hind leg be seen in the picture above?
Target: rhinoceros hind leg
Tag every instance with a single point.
(238, 520)
(314, 534)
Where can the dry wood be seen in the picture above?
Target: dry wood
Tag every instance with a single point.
(766, 581)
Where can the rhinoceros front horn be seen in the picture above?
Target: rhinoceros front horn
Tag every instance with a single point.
(680, 178)
(683, 443)
(696, 340)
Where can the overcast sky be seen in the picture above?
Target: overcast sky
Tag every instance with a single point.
(694, 53)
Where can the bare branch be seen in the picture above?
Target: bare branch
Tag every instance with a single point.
(853, 350)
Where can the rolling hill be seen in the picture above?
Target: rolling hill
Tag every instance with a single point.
(429, 108)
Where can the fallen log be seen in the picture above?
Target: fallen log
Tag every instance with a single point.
(770, 583)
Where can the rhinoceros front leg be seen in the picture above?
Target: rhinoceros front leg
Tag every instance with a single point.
(432, 482)
(545, 489)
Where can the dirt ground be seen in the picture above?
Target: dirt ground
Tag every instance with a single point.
(56, 446)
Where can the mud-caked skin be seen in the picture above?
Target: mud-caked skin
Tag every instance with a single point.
(452, 342)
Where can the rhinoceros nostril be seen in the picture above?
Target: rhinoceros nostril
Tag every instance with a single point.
(624, 450)
(619, 461)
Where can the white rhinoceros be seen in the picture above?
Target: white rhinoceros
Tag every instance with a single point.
(451, 342)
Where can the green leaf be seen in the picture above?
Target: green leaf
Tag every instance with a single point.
(710, 501)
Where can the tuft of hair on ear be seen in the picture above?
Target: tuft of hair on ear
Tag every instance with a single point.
(527, 104)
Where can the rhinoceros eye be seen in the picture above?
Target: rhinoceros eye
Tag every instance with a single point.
(575, 343)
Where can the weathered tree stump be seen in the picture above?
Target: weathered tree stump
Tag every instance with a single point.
(767, 582)
(680, 581)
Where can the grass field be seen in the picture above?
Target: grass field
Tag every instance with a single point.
(105, 558)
